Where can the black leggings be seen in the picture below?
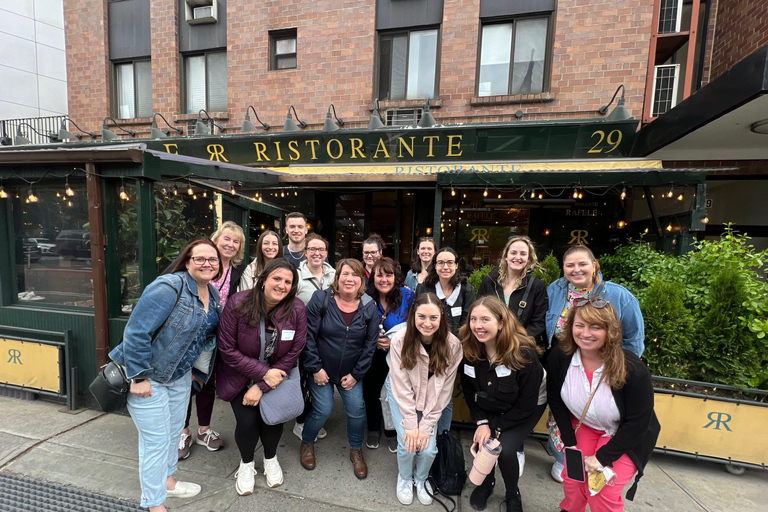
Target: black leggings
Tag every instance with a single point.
(510, 441)
(372, 383)
(249, 428)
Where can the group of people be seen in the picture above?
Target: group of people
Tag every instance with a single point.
(392, 346)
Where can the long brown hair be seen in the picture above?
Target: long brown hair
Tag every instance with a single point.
(394, 298)
(416, 263)
(186, 254)
(254, 307)
(259, 258)
(514, 348)
(357, 268)
(611, 353)
(533, 261)
(440, 355)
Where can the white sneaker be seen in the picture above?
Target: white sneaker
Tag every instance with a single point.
(321, 434)
(404, 490)
(521, 461)
(557, 472)
(184, 490)
(245, 478)
(298, 429)
(421, 492)
(273, 472)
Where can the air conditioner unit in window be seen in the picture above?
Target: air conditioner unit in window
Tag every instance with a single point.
(664, 95)
(200, 11)
(402, 116)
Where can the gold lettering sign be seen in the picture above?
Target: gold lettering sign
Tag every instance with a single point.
(579, 237)
(29, 364)
(613, 139)
(216, 151)
(479, 234)
(169, 146)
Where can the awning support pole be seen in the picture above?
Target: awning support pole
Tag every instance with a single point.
(98, 266)
(437, 232)
(652, 209)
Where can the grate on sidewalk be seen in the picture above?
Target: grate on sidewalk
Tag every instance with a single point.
(24, 494)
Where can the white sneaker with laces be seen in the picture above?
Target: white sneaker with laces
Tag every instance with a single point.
(421, 492)
(273, 472)
(245, 478)
(557, 471)
(298, 430)
(183, 490)
(521, 461)
(404, 490)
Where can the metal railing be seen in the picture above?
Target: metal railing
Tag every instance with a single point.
(48, 126)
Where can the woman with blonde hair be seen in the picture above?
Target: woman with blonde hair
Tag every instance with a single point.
(505, 389)
(268, 247)
(601, 395)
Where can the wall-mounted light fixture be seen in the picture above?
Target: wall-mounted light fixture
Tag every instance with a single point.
(65, 134)
(375, 123)
(426, 120)
(248, 125)
(290, 125)
(19, 139)
(620, 112)
(200, 126)
(158, 133)
(107, 134)
(330, 125)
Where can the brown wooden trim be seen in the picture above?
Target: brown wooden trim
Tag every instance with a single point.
(47, 154)
(692, 37)
(646, 117)
(98, 264)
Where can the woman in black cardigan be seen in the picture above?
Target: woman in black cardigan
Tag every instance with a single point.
(619, 429)
(456, 294)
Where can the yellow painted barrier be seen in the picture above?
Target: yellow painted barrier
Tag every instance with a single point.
(29, 364)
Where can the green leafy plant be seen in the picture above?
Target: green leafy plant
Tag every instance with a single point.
(476, 277)
(548, 270)
(174, 226)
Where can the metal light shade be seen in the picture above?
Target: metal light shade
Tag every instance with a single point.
(65, 134)
(157, 133)
(620, 113)
(375, 122)
(107, 134)
(329, 125)
(290, 125)
(247, 124)
(200, 127)
(19, 139)
(426, 120)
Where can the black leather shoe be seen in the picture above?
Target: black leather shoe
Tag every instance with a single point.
(514, 502)
(478, 500)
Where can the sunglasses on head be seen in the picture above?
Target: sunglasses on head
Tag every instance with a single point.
(595, 302)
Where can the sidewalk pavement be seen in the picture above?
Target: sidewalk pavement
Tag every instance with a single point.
(97, 452)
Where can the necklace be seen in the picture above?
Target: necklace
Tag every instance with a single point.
(300, 253)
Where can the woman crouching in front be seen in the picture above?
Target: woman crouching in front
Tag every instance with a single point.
(261, 335)
(424, 358)
(505, 389)
(602, 398)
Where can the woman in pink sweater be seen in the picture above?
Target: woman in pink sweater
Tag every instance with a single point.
(424, 358)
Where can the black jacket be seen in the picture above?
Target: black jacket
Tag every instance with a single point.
(534, 314)
(234, 278)
(464, 301)
(504, 401)
(335, 347)
(638, 426)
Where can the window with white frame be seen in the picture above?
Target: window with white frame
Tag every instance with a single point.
(513, 57)
(408, 65)
(133, 89)
(205, 79)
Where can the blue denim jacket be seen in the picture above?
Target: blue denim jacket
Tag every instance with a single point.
(627, 307)
(163, 337)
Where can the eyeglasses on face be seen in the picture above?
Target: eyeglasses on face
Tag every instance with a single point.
(312, 250)
(596, 302)
(441, 263)
(200, 260)
(370, 253)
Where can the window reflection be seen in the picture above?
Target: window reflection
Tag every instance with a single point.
(128, 249)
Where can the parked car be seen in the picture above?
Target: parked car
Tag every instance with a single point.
(74, 243)
(45, 245)
(31, 251)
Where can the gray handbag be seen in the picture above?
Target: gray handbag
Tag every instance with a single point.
(286, 401)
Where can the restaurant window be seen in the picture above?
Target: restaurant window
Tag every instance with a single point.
(282, 49)
(128, 248)
(180, 217)
(514, 57)
(52, 244)
(205, 79)
(133, 89)
(408, 64)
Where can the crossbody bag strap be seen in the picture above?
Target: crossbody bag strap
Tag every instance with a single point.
(586, 408)
(524, 303)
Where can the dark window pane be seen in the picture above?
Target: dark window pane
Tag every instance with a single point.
(217, 81)
(530, 56)
(385, 66)
(143, 70)
(286, 61)
(399, 62)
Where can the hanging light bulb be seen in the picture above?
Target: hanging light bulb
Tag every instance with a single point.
(31, 197)
(205, 193)
(453, 192)
(67, 189)
(296, 193)
(671, 192)
(282, 194)
(260, 198)
(669, 227)
(645, 230)
(485, 192)
(3, 193)
(499, 196)
(189, 189)
(123, 193)
(581, 195)
(175, 190)
(621, 224)
(546, 232)
(541, 196)
(232, 187)
(680, 197)
(194, 196)
(210, 205)
(623, 193)
(69, 203)
(533, 193)
(705, 220)
(575, 193)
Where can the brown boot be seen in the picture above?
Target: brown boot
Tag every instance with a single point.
(307, 451)
(358, 463)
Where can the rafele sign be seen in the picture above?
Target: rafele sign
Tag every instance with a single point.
(30, 364)
(534, 141)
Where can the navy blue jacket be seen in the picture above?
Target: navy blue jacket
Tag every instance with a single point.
(335, 347)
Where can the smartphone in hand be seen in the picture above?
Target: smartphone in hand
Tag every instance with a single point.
(574, 464)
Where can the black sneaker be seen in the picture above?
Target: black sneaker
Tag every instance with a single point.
(392, 444)
(372, 441)
(514, 502)
(479, 497)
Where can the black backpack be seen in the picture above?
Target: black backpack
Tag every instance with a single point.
(448, 468)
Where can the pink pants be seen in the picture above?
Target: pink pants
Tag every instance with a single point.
(609, 499)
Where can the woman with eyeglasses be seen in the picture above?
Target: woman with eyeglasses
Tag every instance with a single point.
(268, 247)
(505, 389)
(582, 279)
(444, 281)
(342, 329)
(601, 395)
(373, 249)
(173, 320)
(261, 335)
(393, 301)
(420, 262)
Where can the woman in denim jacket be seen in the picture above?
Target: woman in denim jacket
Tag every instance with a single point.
(582, 278)
(171, 322)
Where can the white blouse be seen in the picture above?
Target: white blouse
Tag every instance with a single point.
(603, 414)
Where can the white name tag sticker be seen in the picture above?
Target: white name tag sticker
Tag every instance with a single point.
(503, 371)
(456, 311)
(469, 370)
(287, 335)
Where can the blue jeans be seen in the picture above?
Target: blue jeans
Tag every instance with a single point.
(413, 465)
(444, 423)
(559, 456)
(322, 406)
(159, 419)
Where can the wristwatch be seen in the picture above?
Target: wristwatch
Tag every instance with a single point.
(138, 380)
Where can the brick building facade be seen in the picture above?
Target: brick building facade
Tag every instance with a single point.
(592, 48)
(741, 28)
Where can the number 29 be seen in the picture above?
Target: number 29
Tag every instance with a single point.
(613, 139)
